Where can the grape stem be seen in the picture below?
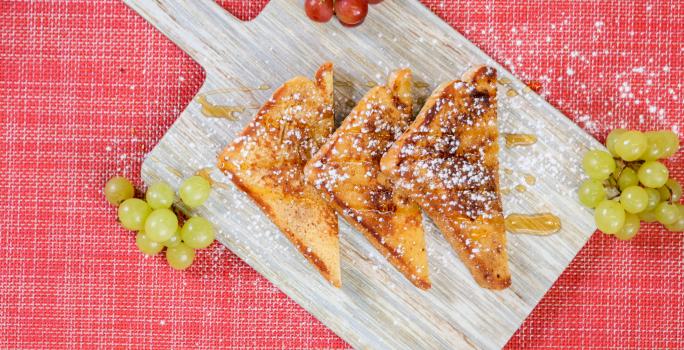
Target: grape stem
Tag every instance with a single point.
(612, 191)
(635, 164)
(619, 166)
(611, 184)
(670, 195)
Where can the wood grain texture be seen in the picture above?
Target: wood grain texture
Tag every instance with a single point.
(376, 306)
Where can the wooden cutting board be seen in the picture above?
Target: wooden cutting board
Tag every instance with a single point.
(376, 306)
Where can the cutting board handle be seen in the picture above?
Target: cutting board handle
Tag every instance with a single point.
(196, 26)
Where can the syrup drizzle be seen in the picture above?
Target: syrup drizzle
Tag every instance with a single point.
(206, 174)
(513, 140)
(421, 85)
(534, 224)
(220, 111)
(174, 171)
(229, 90)
(511, 93)
(340, 82)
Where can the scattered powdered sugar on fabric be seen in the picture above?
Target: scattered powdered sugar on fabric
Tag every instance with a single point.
(599, 108)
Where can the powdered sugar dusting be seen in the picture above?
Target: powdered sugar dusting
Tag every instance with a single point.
(445, 160)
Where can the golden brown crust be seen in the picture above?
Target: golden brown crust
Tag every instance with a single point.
(346, 171)
(301, 246)
(267, 159)
(447, 161)
(409, 267)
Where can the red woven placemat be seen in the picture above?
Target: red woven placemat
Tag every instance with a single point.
(88, 88)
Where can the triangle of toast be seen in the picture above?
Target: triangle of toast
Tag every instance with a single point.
(447, 162)
(346, 170)
(267, 161)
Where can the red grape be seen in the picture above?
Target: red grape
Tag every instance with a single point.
(351, 12)
(319, 10)
(374, 1)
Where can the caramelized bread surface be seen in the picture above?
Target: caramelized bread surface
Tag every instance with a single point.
(346, 171)
(267, 161)
(447, 162)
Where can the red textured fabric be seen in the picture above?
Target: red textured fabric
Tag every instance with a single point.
(88, 87)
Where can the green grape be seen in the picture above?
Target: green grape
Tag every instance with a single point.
(591, 193)
(147, 246)
(174, 240)
(630, 228)
(132, 213)
(675, 189)
(118, 189)
(627, 178)
(653, 174)
(609, 216)
(598, 164)
(194, 191)
(160, 195)
(667, 213)
(648, 216)
(656, 146)
(612, 137)
(677, 226)
(670, 141)
(630, 145)
(161, 225)
(653, 198)
(197, 233)
(634, 199)
(180, 257)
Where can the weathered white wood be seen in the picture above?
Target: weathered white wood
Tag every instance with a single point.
(376, 307)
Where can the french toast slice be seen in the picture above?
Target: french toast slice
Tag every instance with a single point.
(447, 162)
(267, 161)
(346, 170)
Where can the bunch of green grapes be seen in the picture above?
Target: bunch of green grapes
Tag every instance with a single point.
(157, 225)
(630, 185)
